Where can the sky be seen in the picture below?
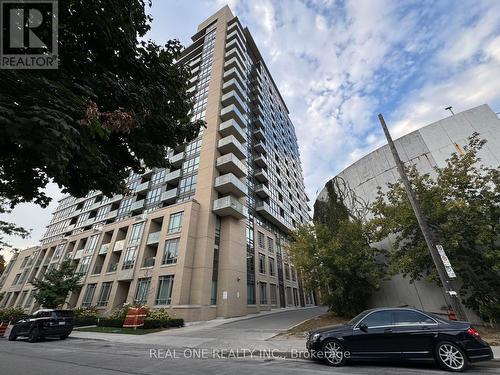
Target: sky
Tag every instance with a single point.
(339, 63)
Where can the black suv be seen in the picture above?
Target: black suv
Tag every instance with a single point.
(43, 323)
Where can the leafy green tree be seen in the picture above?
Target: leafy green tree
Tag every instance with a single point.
(462, 205)
(335, 257)
(116, 100)
(53, 288)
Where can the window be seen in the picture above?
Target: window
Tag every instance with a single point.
(102, 212)
(89, 295)
(250, 293)
(260, 240)
(125, 206)
(129, 260)
(84, 264)
(274, 294)
(289, 300)
(378, 318)
(22, 298)
(190, 165)
(171, 251)
(294, 275)
(409, 317)
(91, 244)
(16, 279)
(175, 223)
(136, 234)
(141, 293)
(187, 184)
(153, 196)
(272, 271)
(104, 295)
(164, 294)
(159, 177)
(287, 271)
(262, 263)
(262, 293)
(29, 301)
(270, 244)
(58, 251)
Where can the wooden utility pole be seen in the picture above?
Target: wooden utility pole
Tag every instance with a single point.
(456, 304)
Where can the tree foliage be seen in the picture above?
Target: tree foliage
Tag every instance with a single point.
(462, 205)
(335, 257)
(115, 100)
(53, 288)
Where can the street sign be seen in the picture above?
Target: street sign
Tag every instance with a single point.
(446, 262)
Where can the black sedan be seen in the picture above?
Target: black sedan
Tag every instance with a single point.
(400, 334)
(43, 323)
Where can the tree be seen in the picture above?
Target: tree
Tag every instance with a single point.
(114, 101)
(462, 205)
(335, 257)
(53, 288)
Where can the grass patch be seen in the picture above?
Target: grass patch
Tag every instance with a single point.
(128, 331)
(328, 319)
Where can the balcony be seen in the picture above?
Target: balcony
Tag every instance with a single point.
(235, 63)
(258, 121)
(231, 164)
(232, 97)
(260, 147)
(153, 238)
(104, 249)
(232, 112)
(142, 187)
(258, 110)
(119, 245)
(230, 144)
(261, 175)
(169, 196)
(126, 274)
(262, 191)
(231, 127)
(78, 254)
(259, 134)
(149, 262)
(234, 73)
(233, 84)
(261, 161)
(88, 222)
(113, 267)
(176, 160)
(70, 227)
(173, 177)
(235, 34)
(235, 44)
(112, 214)
(229, 206)
(136, 206)
(230, 184)
(265, 210)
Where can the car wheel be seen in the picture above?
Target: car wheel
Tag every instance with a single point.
(33, 335)
(333, 353)
(12, 335)
(450, 357)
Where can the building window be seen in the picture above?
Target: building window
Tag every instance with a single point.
(262, 263)
(104, 295)
(171, 251)
(274, 294)
(89, 295)
(294, 275)
(270, 244)
(287, 271)
(262, 293)
(29, 301)
(129, 260)
(136, 234)
(141, 293)
(58, 251)
(250, 293)
(272, 270)
(22, 298)
(84, 265)
(91, 244)
(175, 223)
(16, 279)
(289, 300)
(125, 206)
(164, 294)
(153, 196)
(260, 240)
(159, 177)
(102, 212)
(187, 184)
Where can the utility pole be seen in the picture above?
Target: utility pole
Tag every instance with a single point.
(456, 304)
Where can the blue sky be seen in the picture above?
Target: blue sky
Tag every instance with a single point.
(340, 63)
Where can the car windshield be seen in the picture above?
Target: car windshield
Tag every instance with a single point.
(357, 318)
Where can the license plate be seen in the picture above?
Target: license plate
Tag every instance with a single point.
(62, 323)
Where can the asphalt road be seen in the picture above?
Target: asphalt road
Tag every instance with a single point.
(81, 357)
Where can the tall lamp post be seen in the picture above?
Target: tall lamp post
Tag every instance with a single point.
(437, 251)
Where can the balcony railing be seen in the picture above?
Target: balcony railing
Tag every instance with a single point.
(230, 144)
(119, 245)
(231, 127)
(149, 262)
(104, 249)
(230, 184)
(230, 206)
(229, 163)
(153, 238)
(113, 267)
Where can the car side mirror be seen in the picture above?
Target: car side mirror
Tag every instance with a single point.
(363, 327)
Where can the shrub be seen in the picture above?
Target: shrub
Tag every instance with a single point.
(110, 322)
(85, 316)
(158, 314)
(13, 314)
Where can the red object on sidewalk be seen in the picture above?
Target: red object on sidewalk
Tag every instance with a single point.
(452, 315)
(135, 317)
(3, 327)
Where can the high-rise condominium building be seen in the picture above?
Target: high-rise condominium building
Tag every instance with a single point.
(207, 237)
